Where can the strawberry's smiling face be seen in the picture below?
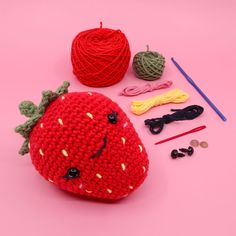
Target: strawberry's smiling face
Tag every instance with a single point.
(85, 144)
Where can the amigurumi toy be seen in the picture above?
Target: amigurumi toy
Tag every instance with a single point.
(83, 143)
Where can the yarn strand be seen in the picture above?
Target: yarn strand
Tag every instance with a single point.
(156, 125)
(139, 107)
(149, 87)
(148, 65)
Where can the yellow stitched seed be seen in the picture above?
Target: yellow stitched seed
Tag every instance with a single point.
(123, 167)
(109, 190)
(64, 152)
(62, 98)
(98, 175)
(140, 148)
(50, 180)
(41, 125)
(123, 140)
(60, 121)
(29, 145)
(81, 185)
(125, 124)
(131, 187)
(144, 169)
(89, 115)
(89, 93)
(41, 152)
(88, 191)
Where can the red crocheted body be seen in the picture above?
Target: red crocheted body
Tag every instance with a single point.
(75, 132)
(100, 57)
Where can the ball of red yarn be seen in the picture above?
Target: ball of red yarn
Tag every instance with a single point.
(100, 56)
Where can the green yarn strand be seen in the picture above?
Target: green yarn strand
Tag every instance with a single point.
(24, 148)
(25, 129)
(148, 65)
(29, 109)
(47, 98)
(64, 88)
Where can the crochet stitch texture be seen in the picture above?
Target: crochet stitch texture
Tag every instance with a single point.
(85, 144)
(148, 65)
(100, 57)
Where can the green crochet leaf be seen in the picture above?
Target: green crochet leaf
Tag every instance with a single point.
(29, 109)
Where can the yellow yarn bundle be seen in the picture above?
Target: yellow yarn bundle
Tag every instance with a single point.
(173, 96)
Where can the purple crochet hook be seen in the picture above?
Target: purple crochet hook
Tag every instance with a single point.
(219, 113)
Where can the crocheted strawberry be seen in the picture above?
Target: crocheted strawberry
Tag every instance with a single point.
(83, 143)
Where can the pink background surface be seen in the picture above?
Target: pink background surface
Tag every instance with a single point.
(192, 196)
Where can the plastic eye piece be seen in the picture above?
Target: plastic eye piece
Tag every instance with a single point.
(181, 155)
(112, 117)
(72, 173)
(189, 151)
(174, 154)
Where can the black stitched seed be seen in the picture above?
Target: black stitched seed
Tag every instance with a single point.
(113, 117)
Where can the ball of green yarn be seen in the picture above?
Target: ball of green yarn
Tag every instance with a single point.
(148, 65)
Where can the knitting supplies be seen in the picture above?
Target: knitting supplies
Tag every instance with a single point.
(173, 96)
(156, 125)
(194, 143)
(211, 104)
(182, 134)
(100, 56)
(83, 143)
(181, 153)
(148, 65)
(189, 150)
(149, 87)
(203, 144)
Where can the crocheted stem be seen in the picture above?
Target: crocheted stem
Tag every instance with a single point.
(29, 109)
(24, 148)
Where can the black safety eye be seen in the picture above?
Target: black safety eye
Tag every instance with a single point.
(112, 117)
(72, 173)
